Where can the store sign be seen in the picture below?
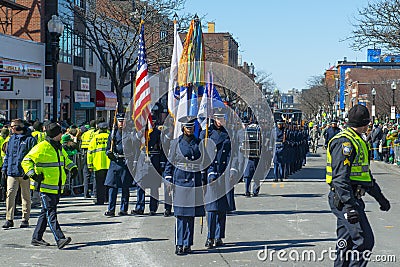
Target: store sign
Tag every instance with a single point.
(82, 96)
(20, 69)
(6, 83)
(85, 82)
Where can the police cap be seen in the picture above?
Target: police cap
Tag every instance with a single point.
(103, 125)
(358, 116)
(121, 116)
(187, 121)
(219, 112)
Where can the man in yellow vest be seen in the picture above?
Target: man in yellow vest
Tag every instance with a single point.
(45, 165)
(85, 141)
(98, 161)
(349, 177)
(38, 131)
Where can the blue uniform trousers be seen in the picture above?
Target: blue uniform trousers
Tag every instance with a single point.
(140, 204)
(279, 170)
(112, 201)
(167, 199)
(48, 215)
(359, 236)
(87, 176)
(216, 221)
(184, 231)
(249, 176)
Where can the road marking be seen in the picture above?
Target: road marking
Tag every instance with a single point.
(389, 226)
(281, 185)
(273, 185)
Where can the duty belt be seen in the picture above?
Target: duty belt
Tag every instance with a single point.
(154, 152)
(278, 143)
(188, 166)
(119, 156)
(359, 191)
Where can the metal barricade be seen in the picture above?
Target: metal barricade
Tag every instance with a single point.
(396, 150)
(75, 186)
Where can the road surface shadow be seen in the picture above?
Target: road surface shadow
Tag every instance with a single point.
(277, 212)
(78, 246)
(89, 223)
(232, 247)
(299, 195)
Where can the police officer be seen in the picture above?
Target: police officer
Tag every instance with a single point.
(149, 175)
(349, 176)
(217, 202)
(331, 132)
(118, 175)
(85, 141)
(187, 180)
(252, 147)
(38, 133)
(45, 165)
(98, 162)
(279, 157)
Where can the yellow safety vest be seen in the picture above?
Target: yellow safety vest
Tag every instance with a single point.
(40, 136)
(2, 140)
(359, 171)
(87, 137)
(44, 159)
(3, 147)
(96, 156)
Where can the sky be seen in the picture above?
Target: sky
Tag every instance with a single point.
(293, 40)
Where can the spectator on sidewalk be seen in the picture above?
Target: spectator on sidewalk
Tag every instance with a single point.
(20, 143)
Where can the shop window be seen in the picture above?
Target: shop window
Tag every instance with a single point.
(3, 109)
(31, 109)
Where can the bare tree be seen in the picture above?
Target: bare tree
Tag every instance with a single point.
(265, 80)
(319, 95)
(111, 30)
(378, 24)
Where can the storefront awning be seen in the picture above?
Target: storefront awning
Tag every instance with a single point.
(84, 105)
(105, 100)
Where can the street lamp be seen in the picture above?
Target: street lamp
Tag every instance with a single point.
(373, 92)
(55, 27)
(393, 108)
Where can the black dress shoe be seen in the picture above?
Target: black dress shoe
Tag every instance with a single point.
(109, 213)
(137, 212)
(122, 213)
(152, 213)
(187, 250)
(209, 243)
(218, 242)
(37, 243)
(24, 224)
(8, 224)
(167, 213)
(63, 242)
(247, 194)
(255, 194)
(275, 180)
(179, 251)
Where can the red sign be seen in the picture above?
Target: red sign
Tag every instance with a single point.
(6, 83)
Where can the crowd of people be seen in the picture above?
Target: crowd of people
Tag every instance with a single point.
(383, 138)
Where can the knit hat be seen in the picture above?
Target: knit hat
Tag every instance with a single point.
(66, 138)
(53, 129)
(358, 116)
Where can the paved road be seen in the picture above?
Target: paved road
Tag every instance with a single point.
(292, 216)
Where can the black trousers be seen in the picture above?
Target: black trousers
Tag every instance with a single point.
(355, 241)
(101, 189)
(48, 215)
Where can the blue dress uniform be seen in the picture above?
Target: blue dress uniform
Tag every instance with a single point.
(349, 177)
(149, 176)
(187, 182)
(279, 157)
(218, 199)
(331, 132)
(118, 175)
(251, 167)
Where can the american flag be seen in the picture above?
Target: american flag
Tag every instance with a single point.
(142, 97)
